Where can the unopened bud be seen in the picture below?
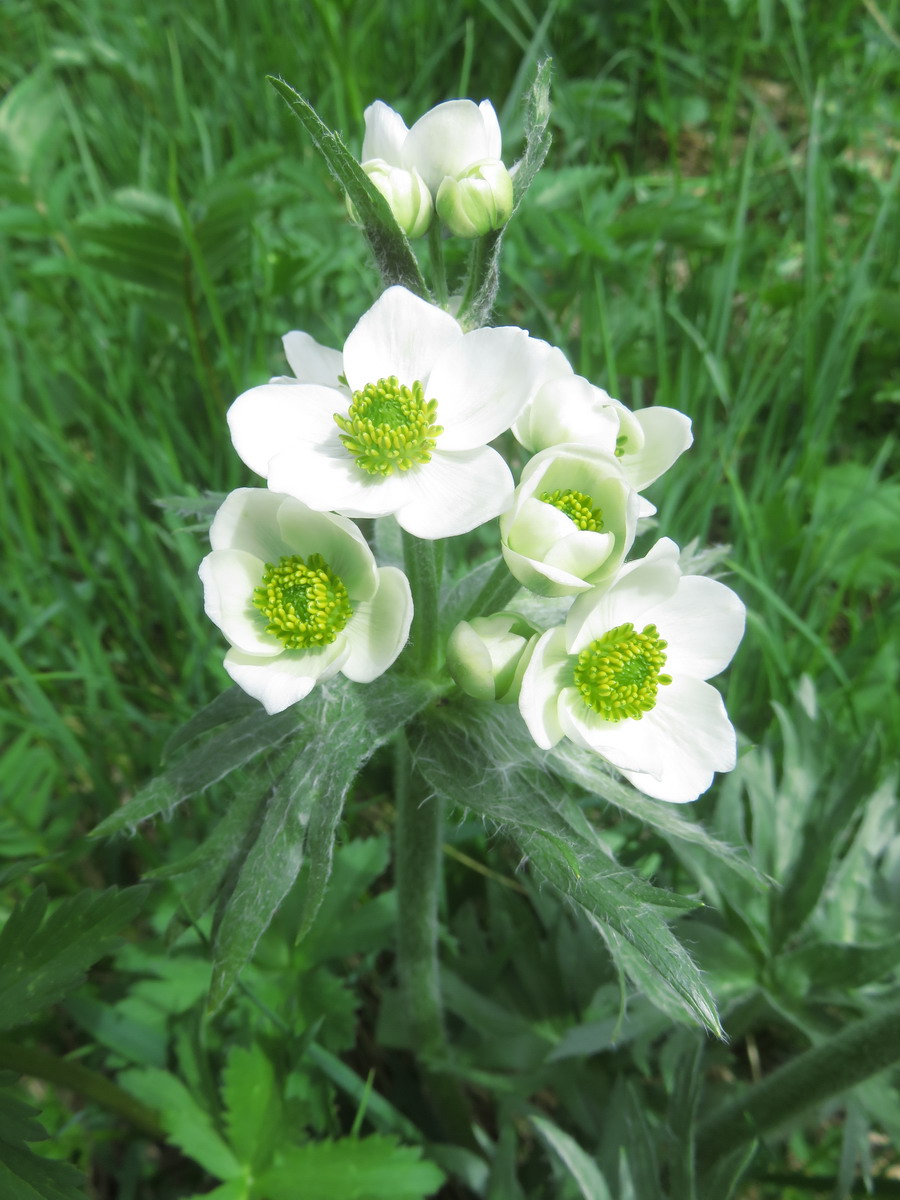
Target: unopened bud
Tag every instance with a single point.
(479, 200)
(487, 656)
(405, 192)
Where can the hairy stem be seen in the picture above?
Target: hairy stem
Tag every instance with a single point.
(423, 561)
(27, 1060)
(827, 1069)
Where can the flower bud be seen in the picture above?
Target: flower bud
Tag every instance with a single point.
(405, 192)
(487, 656)
(479, 200)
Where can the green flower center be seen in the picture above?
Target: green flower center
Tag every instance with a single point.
(621, 443)
(618, 674)
(389, 425)
(305, 603)
(577, 507)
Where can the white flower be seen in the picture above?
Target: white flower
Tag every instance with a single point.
(487, 656)
(299, 597)
(572, 522)
(567, 408)
(446, 141)
(624, 677)
(408, 434)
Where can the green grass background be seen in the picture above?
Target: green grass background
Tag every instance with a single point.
(716, 229)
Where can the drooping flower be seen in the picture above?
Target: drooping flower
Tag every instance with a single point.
(571, 523)
(457, 142)
(624, 677)
(487, 656)
(407, 431)
(566, 407)
(299, 596)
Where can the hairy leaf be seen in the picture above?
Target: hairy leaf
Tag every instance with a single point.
(23, 1174)
(579, 1164)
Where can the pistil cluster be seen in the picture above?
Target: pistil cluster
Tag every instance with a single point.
(390, 425)
(578, 507)
(305, 602)
(619, 674)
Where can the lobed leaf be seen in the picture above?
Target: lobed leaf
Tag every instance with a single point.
(372, 1168)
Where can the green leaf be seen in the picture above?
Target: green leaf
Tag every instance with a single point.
(342, 726)
(826, 965)
(388, 243)
(580, 1165)
(253, 1111)
(41, 960)
(374, 1168)
(23, 1174)
(186, 1124)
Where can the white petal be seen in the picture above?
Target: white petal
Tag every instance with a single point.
(385, 134)
(570, 409)
(310, 362)
(540, 578)
(637, 587)
(533, 526)
(548, 673)
(694, 738)
(454, 493)
(555, 366)
(703, 624)
(326, 477)
(482, 383)
(667, 434)
(583, 554)
(229, 579)
(447, 140)
(400, 335)
(379, 628)
(340, 543)
(265, 420)
(491, 130)
(279, 682)
(248, 520)
(627, 744)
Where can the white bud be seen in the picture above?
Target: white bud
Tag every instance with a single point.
(479, 200)
(487, 656)
(405, 192)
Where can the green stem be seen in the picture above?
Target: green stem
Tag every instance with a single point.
(419, 835)
(498, 590)
(475, 277)
(438, 267)
(827, 1069)
(424, 561)
(27, 1060)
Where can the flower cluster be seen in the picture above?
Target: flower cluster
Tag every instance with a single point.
(399, 422)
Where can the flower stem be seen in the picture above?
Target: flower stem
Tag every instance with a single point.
(498, 590)
(27, 1060)
(424, 562)
(438, 268)
(827, 1069)
(418, 840)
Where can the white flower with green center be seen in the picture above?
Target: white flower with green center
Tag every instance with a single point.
(572, 522)
(567, 408)
(625, 676)
(406, 432)
(299, 596)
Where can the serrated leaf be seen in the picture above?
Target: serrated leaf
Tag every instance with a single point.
(388, 243)
(344, 723)
(373, 1168)
(186, 1124)
(253, 1110)
(41, 960)
(577, 1162)
(23, 1174)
